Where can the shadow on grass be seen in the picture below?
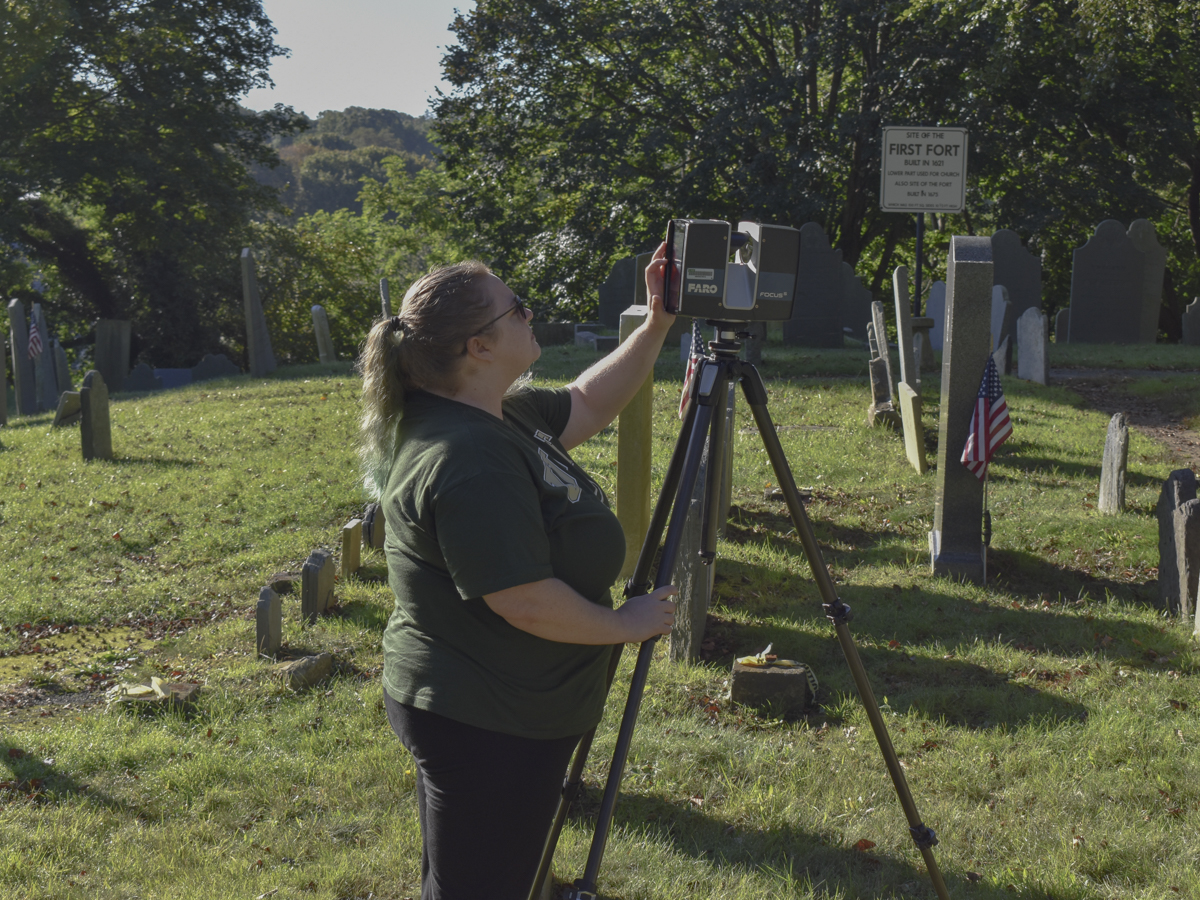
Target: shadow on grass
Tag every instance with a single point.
(1027, 575)
(32, 779)
(1014, 460)
(153, 462)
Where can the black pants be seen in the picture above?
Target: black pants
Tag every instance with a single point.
(485, 800)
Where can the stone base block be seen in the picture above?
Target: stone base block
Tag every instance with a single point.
(883, 414)
(961, 564)
(783, 691)
(306, 671)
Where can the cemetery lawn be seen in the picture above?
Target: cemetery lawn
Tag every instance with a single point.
(1048, 722)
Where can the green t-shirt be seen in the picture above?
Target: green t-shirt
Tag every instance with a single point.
(474, 505)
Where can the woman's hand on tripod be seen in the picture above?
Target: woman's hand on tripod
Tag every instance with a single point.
(648, 615)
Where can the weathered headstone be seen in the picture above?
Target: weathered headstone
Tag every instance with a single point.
(885, 353)
(550, 334)
(70, 409)
(923, 356)
(24, 386)
(214, 365)
(616, 292)
(1000, 357)
(1062, 326)
(914, 429)
(1033, 346)
(95, 426)
(856, 304)
(1112, 467)
(817, 311)
(692, 576)
(1018, 270)
(634, 441)
(374, 529)
(352, 535)
(45, 377)
(1141, 232)
(1179, 488)
(302, 673)
(1187, 559)
(141, 378)
(881, 411)
(586, 339)
(316, 585)
(174, 378)
(268, 632)
(935, 308)
(1107, 286)
(112, 351)
(325, 351)
(956, 541)
(62, 369)
(258, 341)
(872, 341)
(904, 333)
(1191, 323)
(1001, 319)
(782, 691)
(385, 298)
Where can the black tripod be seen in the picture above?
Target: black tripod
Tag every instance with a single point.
(705, 417)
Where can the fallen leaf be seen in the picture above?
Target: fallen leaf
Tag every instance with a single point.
(864, 845)
(893, 644)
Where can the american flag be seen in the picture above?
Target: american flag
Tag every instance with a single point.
(35, 337)
(693, 357)
(990, 424)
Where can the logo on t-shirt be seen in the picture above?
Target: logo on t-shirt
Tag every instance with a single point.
(542, 436)
(556, 476)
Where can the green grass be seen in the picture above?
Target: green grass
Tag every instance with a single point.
(1125, 356)
(1047, 722)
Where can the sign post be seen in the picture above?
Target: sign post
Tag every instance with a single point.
(922, 170)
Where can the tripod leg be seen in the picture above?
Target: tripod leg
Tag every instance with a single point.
(715, 476)
(839, 615)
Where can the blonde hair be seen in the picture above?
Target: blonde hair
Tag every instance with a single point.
(422, 347)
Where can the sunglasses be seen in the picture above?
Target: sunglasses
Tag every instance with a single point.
(518, 306)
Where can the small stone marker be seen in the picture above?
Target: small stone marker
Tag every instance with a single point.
(914, 430)
(95, 428)
(352, 538)
(24, 384)
(1112, 468)
(214, 365)
(268, 623)
(1187, 557)
(616, 292)
(856, 304)
(1191, 323)
(904, 332)
(817, 311)
(142, 379)
(935, 308)
(1062, 326)
(302, 673)
(385, 298)
(112, 351)
(1108, 276)
(1178, 489)
(373, 527)
(70, 409)
(1018, 270)
(1033, 346)
(585, 339)
(635, 430)
(782, 690)
(956, 542)
(316, 585)
(258, 340)
(325, 350)
(1141, 232)
(62, 371)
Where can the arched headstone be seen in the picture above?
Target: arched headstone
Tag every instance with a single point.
(1141, 232)
(817, 313)
(1018, 270)
(1107, 286)
(856, 304)
(935, 308)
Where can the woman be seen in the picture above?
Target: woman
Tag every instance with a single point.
(501, 552)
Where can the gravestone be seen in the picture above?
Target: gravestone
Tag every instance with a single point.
(872, 342)
(881, 411)
(692, 576)
(549, 334)
(1108, 276)
(214, 365)
(1179, 488)
(1191, 323)
(325, 351)
(1002, 320)
(268, 632)
(816, 313)
(1187, 558)
(922, 346)
(112, 351)
(935, 308)
(1141, 232)
(352, 537)
(70, 409)
(1018, 270)
(586, 339)
(617, 291)
(1000, 357)
(1112, 467)
(1033, 346)
(780, 691)
(1062, 326)
(62, 370)
(856, 304)
(44, 376)
(258, 341)
(3, 380)
(141, 378)
(374, 529)
(316, 585)
(904, 334)
(956, 541)
(173, 378)
(635, 431)
(884, 351)
(95, 427)
(24, 386)
(606, 343)
(385, 298)
(914, 429)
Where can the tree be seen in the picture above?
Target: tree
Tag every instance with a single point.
(124, 154)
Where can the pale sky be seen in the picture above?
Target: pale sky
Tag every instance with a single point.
(380, 54)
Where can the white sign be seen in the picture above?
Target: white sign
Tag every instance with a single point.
(923, 170)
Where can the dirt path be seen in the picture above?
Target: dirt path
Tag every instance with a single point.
(1102, 390)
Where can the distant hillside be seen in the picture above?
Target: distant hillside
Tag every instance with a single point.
(323, 166)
